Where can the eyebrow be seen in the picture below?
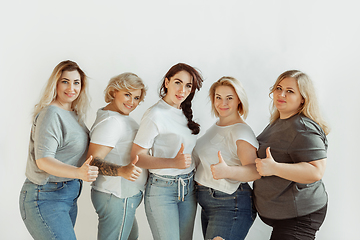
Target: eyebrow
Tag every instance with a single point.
(181, 81)
(230, 95)
(69, 79)
(286, 88)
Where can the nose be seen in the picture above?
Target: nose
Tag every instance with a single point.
(70, 87)
(283, 93)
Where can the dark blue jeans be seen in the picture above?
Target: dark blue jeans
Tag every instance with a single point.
(227, 216)
(299, 228)
(49, 211)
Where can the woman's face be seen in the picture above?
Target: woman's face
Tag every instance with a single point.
(125, 101)
(178, 88)
(68, 88)
(226, 101)
(287, 97)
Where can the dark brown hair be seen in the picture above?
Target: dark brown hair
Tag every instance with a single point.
(197, 81)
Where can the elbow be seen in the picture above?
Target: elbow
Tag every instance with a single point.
(40, 164)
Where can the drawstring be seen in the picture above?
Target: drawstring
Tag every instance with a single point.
(183, 183)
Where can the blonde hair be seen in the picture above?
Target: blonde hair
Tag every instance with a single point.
(80, 105)
(310, 107)
(126, 81)
(243, 107)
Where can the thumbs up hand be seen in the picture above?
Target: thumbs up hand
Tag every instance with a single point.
(182, 160)
(131, 172)
(87, 172)
(266, 166)
(219, 170)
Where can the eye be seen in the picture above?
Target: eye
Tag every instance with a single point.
(77, 82)
(188, 85)
(177, 82)
(127, 95)
(230, 98)
(290, 91)
(278, 88)
(217, 97)
(64, 81)
(137, 98)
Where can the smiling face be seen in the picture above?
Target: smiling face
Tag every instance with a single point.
(226, 102)
(68, 88)
(178, 88)
(287, 97)
(125, 101)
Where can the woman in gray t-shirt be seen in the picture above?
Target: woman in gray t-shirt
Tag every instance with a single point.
(290, 196)
(56, 162)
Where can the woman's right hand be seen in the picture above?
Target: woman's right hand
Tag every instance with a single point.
(182, 160)
(87, 172)
(131, 172)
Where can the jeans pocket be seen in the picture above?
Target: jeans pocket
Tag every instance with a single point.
(22, 204)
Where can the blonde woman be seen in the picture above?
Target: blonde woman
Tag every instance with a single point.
(225, 157)
(117, 192)
(57, 161)
(290, 197)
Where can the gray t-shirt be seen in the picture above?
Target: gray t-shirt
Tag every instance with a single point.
(56, 133)
(293, 140)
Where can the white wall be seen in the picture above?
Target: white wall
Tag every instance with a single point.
(253, 41)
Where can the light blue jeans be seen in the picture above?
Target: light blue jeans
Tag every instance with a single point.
(49, 211)
(116, 215)
(170, 205)
(228, 216)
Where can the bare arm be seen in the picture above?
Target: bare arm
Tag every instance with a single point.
(303, 172)
(57, 168)
(245, 173)
(129, 172)
(181, 160)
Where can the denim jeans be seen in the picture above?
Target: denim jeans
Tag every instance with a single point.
(116, 215)
(227, 216)
(299, 228)
(49, 211)
(170, 205)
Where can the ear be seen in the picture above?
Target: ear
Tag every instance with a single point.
(167, 82)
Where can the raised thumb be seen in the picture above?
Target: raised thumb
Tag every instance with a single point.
(181, 148)
(88, 161)
(136, 159)
(220, 157)
(268, 153)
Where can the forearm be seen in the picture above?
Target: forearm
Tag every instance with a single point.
(246, 173)
(106, 168)
(149, 162)
(57, 168)
(302, 172)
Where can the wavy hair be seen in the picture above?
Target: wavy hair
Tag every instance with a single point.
(126, 81)
(310, 107)
(80, 105)
(197, 81)
(243, 107)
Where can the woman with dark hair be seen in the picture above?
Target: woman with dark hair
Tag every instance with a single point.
(169, 132)
(56, 164)
(290, 196)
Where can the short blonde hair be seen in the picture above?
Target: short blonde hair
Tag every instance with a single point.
(80, 105)
(126, 81)
(243, 107)
(310, 107)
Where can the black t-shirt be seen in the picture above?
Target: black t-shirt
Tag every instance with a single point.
(293, 140)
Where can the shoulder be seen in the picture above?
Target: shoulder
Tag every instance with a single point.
(242, 131)
(304, 124)
(155, 111)
(49, 114)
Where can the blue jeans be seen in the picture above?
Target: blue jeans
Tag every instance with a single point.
(170, 205)
(49, 211)
(116, 215)
(224, 215)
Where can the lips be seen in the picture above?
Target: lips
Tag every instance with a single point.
(127, 106)
(70, 94)
(179, 97)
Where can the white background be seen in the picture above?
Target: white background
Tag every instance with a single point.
(254, 41)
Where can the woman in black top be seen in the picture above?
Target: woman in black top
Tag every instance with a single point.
(290, 196)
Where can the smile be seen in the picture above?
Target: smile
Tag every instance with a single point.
(179, 97)
(128, 106)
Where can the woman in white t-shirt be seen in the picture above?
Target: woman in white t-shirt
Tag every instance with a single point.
(228, 148)
(168, 131)
(117, 192)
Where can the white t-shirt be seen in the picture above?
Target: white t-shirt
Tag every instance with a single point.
(220, 138)
(115, 130)
(162, 129)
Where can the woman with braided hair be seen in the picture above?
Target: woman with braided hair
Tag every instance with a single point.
(169, 132)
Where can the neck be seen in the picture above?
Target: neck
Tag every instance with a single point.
(61, 105)
(230, 120)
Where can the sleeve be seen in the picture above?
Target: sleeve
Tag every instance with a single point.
(147, 133)
(245, 133)
(195, 157)
(309, 145)
(48, 134)
(107, 132)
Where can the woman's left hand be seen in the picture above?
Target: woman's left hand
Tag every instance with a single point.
(266, 166)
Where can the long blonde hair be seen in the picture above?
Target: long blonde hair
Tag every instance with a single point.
(310, 107)
(243, 107)
(80, 105)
